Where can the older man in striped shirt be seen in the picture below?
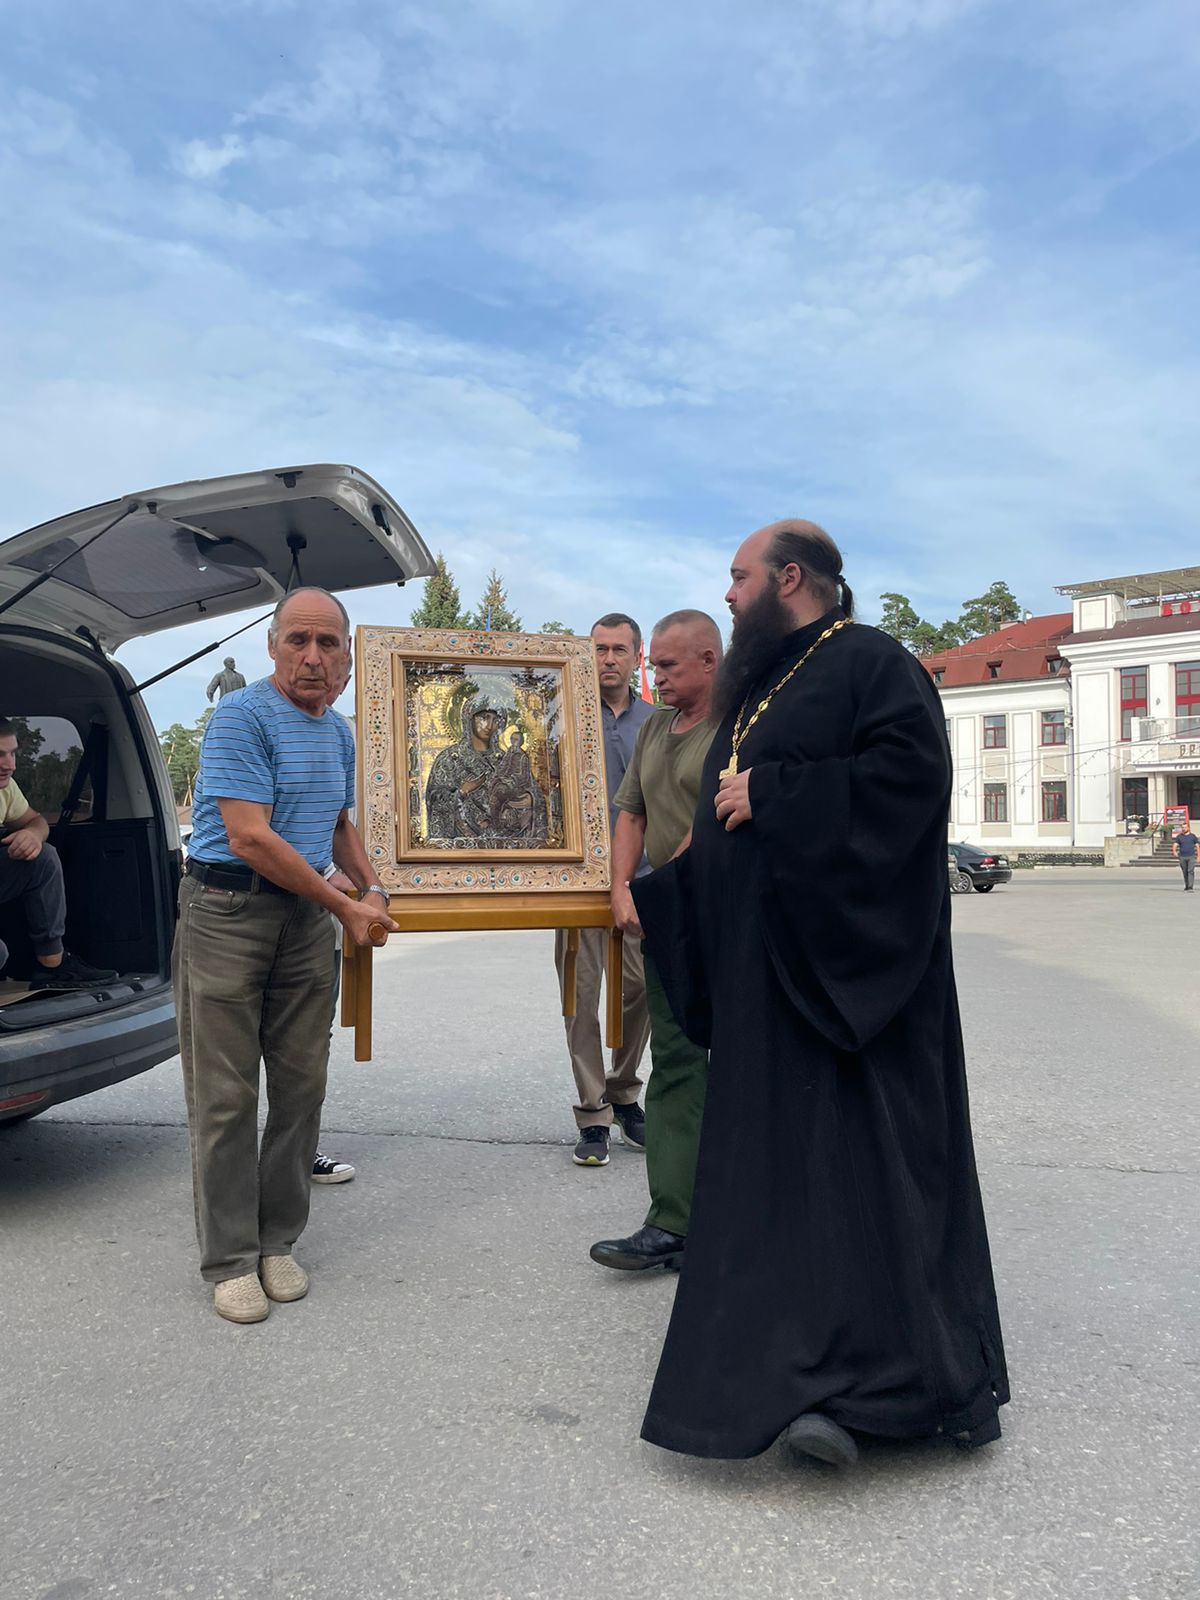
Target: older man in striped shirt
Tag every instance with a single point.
(253, 960)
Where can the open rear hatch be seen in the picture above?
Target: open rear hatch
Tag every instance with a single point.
(163, 557)
(156, 560)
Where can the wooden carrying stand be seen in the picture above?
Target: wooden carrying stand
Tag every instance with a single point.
(456, 913)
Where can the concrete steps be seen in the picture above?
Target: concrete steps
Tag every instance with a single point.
(1160, 857)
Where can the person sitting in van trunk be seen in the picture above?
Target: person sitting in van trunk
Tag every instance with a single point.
(31, 872)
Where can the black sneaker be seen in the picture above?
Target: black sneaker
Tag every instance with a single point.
(70, 973)
(592, 1149)
(631, 1120)
(327, 1170)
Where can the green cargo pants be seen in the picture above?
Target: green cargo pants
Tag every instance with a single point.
(674, 1108)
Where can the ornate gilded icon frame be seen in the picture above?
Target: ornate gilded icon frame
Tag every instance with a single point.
(481, 762)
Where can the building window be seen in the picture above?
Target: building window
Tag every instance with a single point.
(1135, 797)
(1187, 696)
(995, 733)
(938, 674)
(1133, 698)
(1054, 665)
(1054, 727)
(947, 730)
(1054, 801)
(995, 802)
(993, 669)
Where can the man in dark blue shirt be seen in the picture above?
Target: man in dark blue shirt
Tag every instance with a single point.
(604, 1097)
(1183, 848)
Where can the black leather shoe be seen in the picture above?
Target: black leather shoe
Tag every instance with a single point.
(822, 1438)
(648, 1247)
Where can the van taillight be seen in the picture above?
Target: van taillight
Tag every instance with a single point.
(20, 1101)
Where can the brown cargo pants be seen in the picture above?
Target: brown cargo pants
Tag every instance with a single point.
(598, 1090)
(253, 977)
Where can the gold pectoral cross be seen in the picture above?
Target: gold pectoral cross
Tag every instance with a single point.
(731, 770)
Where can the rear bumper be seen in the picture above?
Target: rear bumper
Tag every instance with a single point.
(66, 1059)
(989, 874)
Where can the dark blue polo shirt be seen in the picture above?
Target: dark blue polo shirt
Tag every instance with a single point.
(620, 736)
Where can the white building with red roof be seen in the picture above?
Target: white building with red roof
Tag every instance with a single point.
(1062, 726)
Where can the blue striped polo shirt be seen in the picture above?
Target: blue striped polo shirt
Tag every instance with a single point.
(259, 746)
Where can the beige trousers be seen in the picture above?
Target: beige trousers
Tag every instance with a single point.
(253, 978)
(597, 1090)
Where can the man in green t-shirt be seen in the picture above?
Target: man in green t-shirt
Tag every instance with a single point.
(655, 805)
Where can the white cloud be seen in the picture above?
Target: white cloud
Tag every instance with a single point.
(594, 292)
(198, 159)
(894, 18)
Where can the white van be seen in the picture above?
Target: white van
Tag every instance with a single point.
(71, 592)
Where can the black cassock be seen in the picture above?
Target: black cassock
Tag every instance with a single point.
(837, 1258)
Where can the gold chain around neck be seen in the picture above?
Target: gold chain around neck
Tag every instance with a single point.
(740, 732)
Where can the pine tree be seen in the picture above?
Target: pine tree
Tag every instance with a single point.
(554, 627)
(898, 618)
(930, 641)
(181, 751)
(493, 610)
(980, 616)
(440, 605)
(989, 611)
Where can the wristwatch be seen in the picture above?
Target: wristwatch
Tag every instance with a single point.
(377, 888)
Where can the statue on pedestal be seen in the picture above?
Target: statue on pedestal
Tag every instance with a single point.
(226, 681)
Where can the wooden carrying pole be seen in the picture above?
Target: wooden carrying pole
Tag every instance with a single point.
(460, 914)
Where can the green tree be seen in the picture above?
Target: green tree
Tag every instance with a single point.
(29, 743)
(440, 605)
(899, 619)
(988, 611)
(930, 641)
(980, 616)
(181, 752)
(554, 627)
(493, 609)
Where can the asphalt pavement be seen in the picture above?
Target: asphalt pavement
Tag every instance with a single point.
(454, 1410)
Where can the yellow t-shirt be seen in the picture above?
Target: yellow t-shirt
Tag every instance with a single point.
(12, 802)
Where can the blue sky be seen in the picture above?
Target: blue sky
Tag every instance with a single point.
(594, 291)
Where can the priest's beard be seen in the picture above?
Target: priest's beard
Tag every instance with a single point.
(758, 631)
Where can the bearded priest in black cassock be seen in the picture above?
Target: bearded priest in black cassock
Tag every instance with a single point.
(836, 1274)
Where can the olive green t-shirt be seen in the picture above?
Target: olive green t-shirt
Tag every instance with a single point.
(662, 781)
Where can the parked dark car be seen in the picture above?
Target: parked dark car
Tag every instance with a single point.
(71, 593)
(984, 868)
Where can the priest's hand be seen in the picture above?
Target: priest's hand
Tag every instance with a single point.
(624, 911)
(733, 800)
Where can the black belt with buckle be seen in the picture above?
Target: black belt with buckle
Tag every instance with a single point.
(224, 875)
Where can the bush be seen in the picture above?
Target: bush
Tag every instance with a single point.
(1057, 858)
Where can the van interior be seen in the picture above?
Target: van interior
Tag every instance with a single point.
(83, 763)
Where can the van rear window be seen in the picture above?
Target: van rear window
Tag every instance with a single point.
(145, 565)
(48, 751)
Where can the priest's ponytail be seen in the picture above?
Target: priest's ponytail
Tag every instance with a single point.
(805, 545)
